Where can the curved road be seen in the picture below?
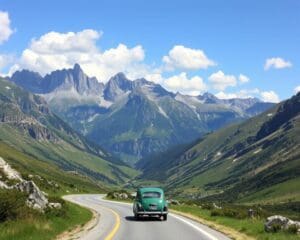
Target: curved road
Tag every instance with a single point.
(117, 223)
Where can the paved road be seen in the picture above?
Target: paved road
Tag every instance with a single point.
(117, 222)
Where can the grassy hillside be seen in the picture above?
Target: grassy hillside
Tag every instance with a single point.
(17, 221)
(23, 223)
(257, 160)
(28, 125)
(46, 174)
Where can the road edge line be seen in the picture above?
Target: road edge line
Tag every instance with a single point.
(116, 226)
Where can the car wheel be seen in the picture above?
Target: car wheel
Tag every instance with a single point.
(136, 216)
(165, 217)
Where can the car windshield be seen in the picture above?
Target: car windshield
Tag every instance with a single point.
(151, 195)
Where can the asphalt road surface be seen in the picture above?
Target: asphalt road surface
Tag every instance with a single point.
(117, 222)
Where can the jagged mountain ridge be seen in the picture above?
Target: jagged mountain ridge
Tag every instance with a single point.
(134, 119)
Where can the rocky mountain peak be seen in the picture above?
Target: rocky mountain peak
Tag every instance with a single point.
(59, 80)
(209, 98)
(77, 67)
(28, 79)
(117, 86)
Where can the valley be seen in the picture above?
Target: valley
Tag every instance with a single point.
(253, 160)
(155, 118)
(149, 120)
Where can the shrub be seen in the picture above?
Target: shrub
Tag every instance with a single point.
(276, 227)
(228, 212)
(13, 205)
(207, 206)
(292, 229)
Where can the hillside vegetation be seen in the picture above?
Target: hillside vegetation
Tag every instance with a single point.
(29, 126)
(255, 161)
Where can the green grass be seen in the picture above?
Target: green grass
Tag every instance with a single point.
(20, 222)
(65, 153)
(250, 227)
(44, 226)
(28, 165)
(282, 192)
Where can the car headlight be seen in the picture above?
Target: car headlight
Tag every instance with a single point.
(139, 206)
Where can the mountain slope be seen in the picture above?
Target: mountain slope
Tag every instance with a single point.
(255, 160)
(28, 125)
(134, 119)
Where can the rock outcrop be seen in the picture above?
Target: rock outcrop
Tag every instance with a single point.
(277, 222)
(8, 171)
(119, 195)
(36, 198)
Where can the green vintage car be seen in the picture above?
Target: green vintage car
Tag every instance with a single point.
(150, 201)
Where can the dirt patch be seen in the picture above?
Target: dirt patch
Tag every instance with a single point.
(79, 230)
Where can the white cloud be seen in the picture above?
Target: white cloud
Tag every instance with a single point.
(270, 96)
(5, 61)
(181, 83)
(277, 63)
(181, 57)
(297, 89)
(243, 78)
(5, 29)
(55, 50)
(266, 96)
(221, 81)
(223, 95)
(244, 93)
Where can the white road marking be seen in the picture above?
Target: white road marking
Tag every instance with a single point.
(194, 226)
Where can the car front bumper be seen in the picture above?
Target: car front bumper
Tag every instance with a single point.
(152, 212)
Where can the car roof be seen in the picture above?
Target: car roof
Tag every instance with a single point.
(150, 189)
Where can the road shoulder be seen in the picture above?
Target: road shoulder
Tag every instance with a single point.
(231, 233)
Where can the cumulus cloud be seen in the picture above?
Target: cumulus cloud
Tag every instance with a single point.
(243, 78)
(56, 50)
(277, 63)
(181, 57)
(244, 93)
(5, 28)
(266, 96)
(181, 82)
(221, 81)
(5, 61)
(297, 89)
(269, 96)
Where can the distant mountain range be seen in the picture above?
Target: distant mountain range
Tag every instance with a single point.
(29, 126)
(133, 119)
(254, 161)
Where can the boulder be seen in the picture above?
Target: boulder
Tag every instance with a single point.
(277, 222)
(3, 185)
(36, 199)
(115, 195)
(54, 205)
(123, 196)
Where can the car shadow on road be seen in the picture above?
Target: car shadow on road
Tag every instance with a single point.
(142, 219)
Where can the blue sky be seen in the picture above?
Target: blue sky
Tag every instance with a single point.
(187, 46)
